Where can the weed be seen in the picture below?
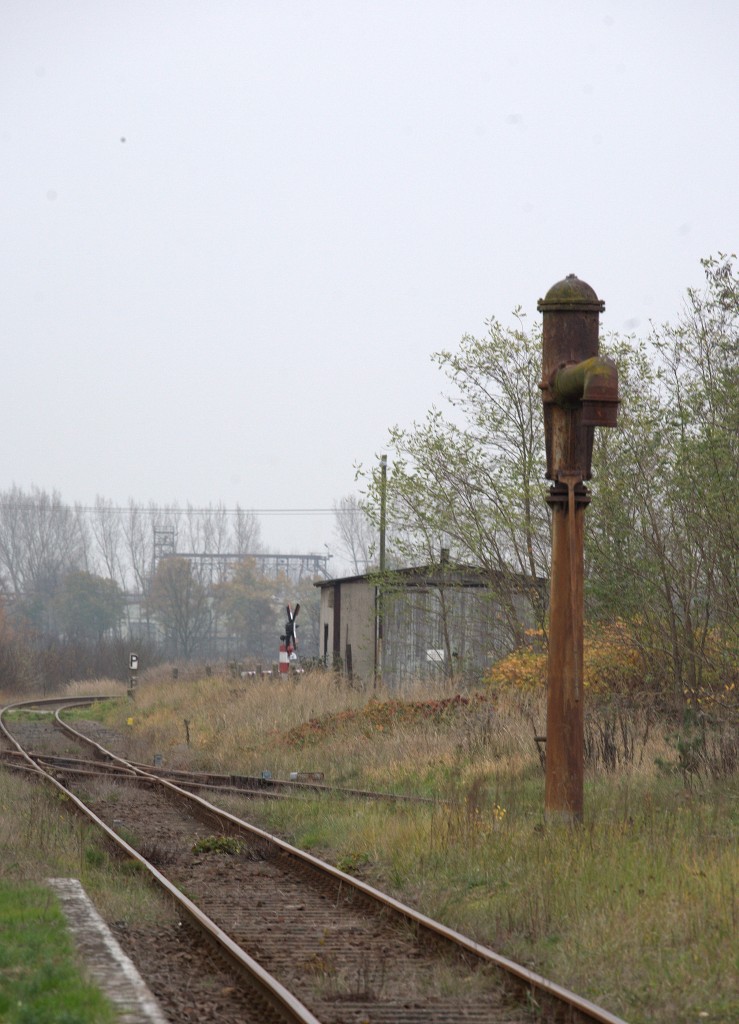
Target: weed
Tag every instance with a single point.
(40, 839)
(706, 745)
(92, 713)
(22, 715)
(126, 834)
(352, 863)
(94, 857)
(617, 731)
(219, 844)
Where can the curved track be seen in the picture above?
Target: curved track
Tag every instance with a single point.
(349, 951)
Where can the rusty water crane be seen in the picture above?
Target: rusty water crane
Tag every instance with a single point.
(580, 391)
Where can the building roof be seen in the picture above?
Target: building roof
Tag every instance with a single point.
(436, 575)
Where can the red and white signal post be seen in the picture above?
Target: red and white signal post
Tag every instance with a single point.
(289, 641)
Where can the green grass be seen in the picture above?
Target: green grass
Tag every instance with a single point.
(637, 913)
(40, 839)
(93, 713)
(40, 981)
(22, 715)
(637, 909)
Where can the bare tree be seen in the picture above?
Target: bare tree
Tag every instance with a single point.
(356, 533)
(246, 532)
(107, 533)
(180, 603)
(40, 538)
(216, 530)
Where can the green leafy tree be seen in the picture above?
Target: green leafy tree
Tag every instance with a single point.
(472, 481)
(88, 607)
(662, 543)
(247, 604)
(662, 539)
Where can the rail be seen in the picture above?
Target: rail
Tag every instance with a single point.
(542, 989)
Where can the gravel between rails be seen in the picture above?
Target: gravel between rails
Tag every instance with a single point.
(343, 956)
(190, 981)
(348, 960)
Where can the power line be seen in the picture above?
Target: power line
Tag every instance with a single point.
(176, 510)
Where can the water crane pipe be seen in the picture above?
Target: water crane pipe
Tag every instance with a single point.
(580, 392)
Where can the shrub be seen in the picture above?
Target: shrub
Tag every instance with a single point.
(612, 663)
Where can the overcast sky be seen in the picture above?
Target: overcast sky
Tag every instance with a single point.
(234, 231)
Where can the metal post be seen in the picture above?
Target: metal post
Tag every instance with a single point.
(563, 795)
(133, 667)
(379, 609)
(580, 391)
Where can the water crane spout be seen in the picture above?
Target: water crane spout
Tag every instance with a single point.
(593, 383)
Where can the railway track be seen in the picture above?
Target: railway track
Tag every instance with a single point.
(312, 943)
(241, 785)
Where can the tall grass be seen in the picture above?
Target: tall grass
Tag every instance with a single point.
(235, 725)
(638, 908)
(40, 839)
(40, 978)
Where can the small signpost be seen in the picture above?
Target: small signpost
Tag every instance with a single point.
(133, 667)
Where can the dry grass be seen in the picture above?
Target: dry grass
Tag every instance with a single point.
(246, 726)
(40, 840)
(637, 909)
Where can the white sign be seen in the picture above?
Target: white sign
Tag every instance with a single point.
(133, 662)
(435, 655)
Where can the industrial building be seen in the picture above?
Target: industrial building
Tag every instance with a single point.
(445, 621)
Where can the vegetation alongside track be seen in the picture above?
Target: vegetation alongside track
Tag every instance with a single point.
(40, 981)
(638, 909)
(40, 840)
